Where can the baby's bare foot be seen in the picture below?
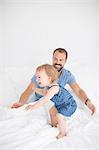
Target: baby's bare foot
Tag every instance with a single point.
(60, 135)
(53, 125)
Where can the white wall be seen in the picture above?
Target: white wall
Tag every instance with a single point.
(98, 40)
(32, 29)
(1, 34)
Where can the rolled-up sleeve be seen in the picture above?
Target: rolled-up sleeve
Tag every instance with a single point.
(71, 78)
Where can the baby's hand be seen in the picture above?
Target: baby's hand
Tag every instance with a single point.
(29, 107)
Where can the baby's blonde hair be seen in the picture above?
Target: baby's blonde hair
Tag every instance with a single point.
(50, 71)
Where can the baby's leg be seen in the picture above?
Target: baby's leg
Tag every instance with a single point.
(62, 126)
(53, 115)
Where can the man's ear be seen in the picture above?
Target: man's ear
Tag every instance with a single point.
(65, 60)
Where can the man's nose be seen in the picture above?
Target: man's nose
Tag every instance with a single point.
(58, 62)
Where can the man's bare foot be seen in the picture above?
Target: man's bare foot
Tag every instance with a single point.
(60, 135)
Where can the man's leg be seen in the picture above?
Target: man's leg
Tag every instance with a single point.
(53, 115)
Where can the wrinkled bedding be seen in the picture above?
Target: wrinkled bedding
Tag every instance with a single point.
(21, 130)
(30, 130)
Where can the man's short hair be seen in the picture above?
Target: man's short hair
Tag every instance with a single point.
(61, 50)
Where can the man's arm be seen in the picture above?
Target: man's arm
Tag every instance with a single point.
(24, 96)
(82, 96)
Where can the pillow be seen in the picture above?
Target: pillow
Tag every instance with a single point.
(13, 81)
(7, 92)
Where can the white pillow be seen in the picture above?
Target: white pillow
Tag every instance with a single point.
(13, 81)
(7, 92)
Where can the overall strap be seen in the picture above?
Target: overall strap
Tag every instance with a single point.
(54, 85)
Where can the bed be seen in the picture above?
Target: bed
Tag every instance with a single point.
(21, 130)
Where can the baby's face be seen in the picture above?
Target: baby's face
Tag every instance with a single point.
(42, 78)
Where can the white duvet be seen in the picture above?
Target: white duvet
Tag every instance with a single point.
(21, 130)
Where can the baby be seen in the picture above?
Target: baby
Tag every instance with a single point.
(46, 77)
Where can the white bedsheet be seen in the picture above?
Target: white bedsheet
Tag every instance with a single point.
(21, 130)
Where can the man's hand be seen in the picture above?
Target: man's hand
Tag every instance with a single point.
(29, 107)
(91, 107)
(16, 105)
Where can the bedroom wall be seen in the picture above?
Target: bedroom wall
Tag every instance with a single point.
(37, 27)
(32, 29)
(98, 41)
(1, 34)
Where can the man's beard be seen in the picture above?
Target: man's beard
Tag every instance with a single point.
(58, 69)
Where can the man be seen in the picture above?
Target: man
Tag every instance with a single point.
(65, 77)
